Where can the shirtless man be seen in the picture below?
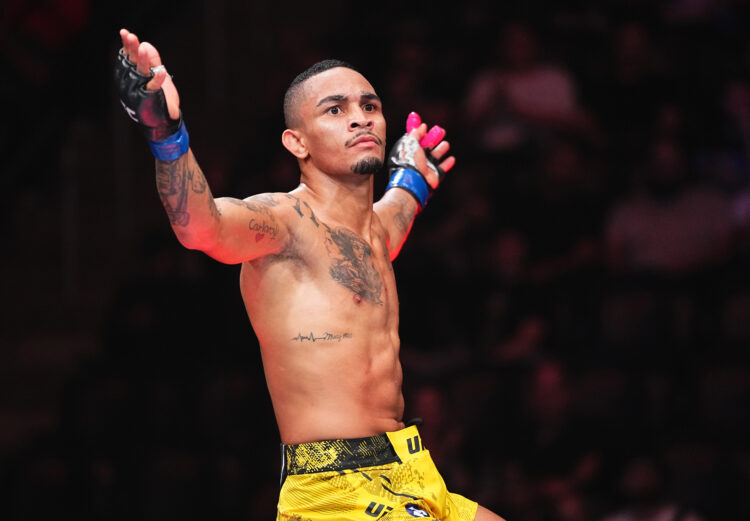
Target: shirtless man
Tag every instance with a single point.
(317, 283)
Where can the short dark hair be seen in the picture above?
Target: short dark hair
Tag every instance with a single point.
(292, 92)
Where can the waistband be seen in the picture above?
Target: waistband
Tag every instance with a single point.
(333, 455)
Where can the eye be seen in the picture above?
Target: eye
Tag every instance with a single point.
(370, 107)
(335, 110)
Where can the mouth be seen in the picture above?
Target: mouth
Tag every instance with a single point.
(365, 139)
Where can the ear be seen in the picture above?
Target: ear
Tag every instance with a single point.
(294, 143)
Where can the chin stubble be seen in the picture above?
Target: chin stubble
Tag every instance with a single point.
(367, 166)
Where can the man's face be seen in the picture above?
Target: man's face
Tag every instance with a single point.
(342, 122)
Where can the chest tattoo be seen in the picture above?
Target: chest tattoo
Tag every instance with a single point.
(353, 265)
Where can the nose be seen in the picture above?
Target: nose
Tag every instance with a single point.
(360, 119)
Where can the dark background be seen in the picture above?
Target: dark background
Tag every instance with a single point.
(575, 299)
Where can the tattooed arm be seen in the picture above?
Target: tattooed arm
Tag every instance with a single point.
(396, 211)
(229, 230)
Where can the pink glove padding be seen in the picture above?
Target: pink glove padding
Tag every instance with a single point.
(432, 138)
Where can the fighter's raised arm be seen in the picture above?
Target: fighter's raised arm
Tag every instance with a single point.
(230, 230)
(416, 165)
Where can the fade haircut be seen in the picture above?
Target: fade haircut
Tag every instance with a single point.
(292, 95)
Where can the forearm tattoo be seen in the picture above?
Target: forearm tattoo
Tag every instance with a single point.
(403, 217)
(402, 213)
(174, 182)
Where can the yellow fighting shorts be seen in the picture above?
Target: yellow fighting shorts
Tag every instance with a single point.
(390, 477)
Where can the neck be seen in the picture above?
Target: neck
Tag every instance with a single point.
(344, 199)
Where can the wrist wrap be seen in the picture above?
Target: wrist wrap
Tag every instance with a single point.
(413, 182)
(173, 147)
(404, 171)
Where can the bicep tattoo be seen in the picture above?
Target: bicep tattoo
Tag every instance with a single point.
(263, 222)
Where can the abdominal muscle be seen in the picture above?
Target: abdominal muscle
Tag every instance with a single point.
(331, 362)
(334, 390)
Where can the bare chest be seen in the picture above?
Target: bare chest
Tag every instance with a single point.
(331, 270)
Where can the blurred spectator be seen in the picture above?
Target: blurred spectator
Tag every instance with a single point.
(642, 486)
(684, 11)
(520, 98)
(32, 35)
(561, 450)
(729, 160)
(664, 240)
(626, 96)
(562, 219)
(671, 225)
(513, 330)
(569, 192)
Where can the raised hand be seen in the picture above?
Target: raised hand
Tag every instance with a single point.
(434, 149)
(150, 98)
(147, 61)
(416, 163)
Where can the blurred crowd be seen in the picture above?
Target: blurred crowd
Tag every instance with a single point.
(575, 299)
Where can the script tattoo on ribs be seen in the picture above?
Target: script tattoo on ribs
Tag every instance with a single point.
(353, 266)
(312, 337)
(174, 179)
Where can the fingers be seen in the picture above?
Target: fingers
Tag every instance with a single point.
(148, 57)
(426, 139)
(433, 137)
(144, 56)
(440, 150)
(419, 131)
(448, 163)
(129, 44)
(433, 142)
(160, 74)
(412, 122)
(148, 62)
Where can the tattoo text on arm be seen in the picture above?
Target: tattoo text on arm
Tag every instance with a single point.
(264, 223)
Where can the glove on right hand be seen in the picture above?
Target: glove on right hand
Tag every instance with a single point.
(148, 108)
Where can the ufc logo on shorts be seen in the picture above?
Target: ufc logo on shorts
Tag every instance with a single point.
(413, 444)
(374, 509)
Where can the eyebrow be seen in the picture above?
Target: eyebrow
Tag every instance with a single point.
(341, 97)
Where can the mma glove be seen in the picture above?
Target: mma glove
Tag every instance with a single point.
(404, 172)
(167, 137)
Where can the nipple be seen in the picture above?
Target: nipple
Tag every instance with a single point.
(357, 298)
